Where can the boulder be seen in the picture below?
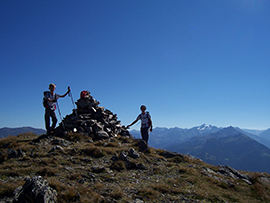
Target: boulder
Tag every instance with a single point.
(168, 154)
(231, 172)
(143, 146)
(12, 153)
(36, 190)
(129, 164)
(132, 153)
(57, 148)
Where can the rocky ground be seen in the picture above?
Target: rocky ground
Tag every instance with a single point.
(118, 169)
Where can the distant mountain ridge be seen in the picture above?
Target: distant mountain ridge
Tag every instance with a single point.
(164, 137)
(231, 146)
(265, 134)
(4, 132)
(228, 147)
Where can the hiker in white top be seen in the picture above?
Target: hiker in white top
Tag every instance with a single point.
(50, 107)
(146, 123)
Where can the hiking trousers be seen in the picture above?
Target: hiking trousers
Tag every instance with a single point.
(145, 134)
(49, 113)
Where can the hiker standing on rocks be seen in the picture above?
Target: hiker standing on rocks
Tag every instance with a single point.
(146, 123)
(49, 100)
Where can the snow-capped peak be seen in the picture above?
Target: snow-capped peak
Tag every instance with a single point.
(204, 127)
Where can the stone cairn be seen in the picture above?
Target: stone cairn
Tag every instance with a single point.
(92, 119)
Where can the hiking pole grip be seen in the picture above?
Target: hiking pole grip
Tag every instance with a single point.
(69, 91)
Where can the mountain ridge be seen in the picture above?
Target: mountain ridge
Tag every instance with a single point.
(230, 147)
(199, 145)
(161, 135)
(6, 131)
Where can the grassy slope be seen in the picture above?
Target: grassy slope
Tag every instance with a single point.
(84, 172)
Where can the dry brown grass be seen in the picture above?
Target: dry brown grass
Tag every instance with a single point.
(8, 142)
(74, 137)
(165, 180)
(148, 192)
(118, 165)
(117, 193)
(95, 152)
(75, 176)
(7, 188)
(47, 171)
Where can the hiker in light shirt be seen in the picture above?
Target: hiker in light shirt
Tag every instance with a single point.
(146, 123)
(49, 100)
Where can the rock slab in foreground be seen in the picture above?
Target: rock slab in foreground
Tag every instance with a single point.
(36, 190)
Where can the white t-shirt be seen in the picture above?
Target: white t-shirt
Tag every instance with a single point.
(144, 119)
(52, 97)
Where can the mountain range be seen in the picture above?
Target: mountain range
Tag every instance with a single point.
(232, 146)
(4, 132)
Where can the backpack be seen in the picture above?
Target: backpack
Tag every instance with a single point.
(45, 101)
(84, 94)
(149, 122)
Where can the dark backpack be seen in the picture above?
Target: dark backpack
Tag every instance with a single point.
(45, 101)
(84, 94)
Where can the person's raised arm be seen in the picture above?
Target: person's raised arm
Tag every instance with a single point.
(65, 93)
(132, 123)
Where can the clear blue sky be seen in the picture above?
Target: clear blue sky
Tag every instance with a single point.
(189, 61)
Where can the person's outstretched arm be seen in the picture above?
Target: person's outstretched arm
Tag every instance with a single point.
(132, 123)
(65, 93)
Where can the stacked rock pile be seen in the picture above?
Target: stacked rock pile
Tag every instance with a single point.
(92, 119)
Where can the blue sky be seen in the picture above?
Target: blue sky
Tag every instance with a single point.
(189, 61)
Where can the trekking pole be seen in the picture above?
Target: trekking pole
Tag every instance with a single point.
(60, 115)
(70, 94)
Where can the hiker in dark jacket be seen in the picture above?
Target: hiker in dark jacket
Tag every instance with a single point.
(146, 123)
(51, 98)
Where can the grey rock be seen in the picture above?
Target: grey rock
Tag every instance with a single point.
(21, 153)
(12, 153)
(132, 153)
(168, 154)
(62, 142)
(231, 172)
(138, 201)
(123, 157)
(36, 190)
(57, 148)
(96, 169)
(143, 146)
(83, 103)
(114, 158)
(102, 135)
(129, 164)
